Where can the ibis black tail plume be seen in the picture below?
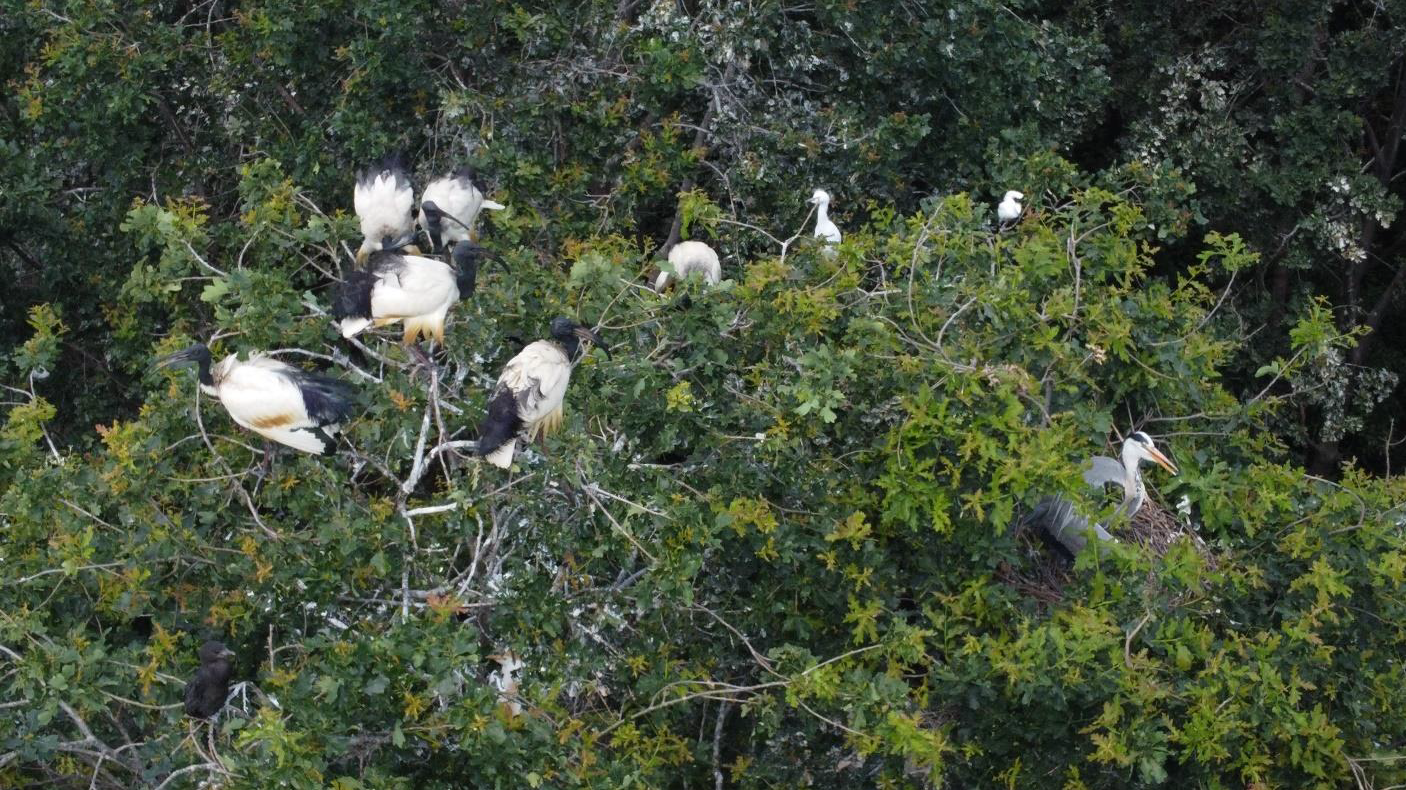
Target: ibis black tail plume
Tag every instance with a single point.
(502, 423)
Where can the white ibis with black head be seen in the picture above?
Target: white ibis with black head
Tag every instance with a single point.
(383, 199)
(688, 258)
(824, 228)
(460, 198)
(527, 401)
(411, 289)
(1056, 517)
(1009, 208)
(279, 402)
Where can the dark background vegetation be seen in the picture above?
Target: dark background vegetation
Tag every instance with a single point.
(769, 547)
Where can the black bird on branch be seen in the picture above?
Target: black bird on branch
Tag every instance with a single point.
(207, 691)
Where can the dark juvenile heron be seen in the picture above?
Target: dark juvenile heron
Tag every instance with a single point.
(206, 692)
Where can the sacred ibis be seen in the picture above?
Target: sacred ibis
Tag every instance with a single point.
(824, 228)
(526, 403)
(459, 198)
(207, 691)
(413, 289)
(383, 199)
(1056, 518)
(279, 402)
(1010, 208)
(691, 257)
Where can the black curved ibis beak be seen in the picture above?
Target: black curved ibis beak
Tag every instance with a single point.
(586, 333)
(467, 253)
(388, 244)
(195, 355)
(433, 215)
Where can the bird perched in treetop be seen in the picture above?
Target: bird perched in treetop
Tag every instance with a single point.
(279, 402)
(527, 401)
(1010, 208)
(206, 692)
(410, 288)
(383, 198)
(824, 228)
(458, 197)
(1055, 516)
(691, 257)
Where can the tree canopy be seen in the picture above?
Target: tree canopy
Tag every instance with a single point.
(777, 541)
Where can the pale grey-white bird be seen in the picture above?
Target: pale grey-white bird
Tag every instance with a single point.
(527, 401)
(1056, 518)
(383, 198)
(688, 258)
(460, 198)
(279, 402)
(824, 228)
(1010, 208)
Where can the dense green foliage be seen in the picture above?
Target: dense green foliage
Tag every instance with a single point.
(774, 544)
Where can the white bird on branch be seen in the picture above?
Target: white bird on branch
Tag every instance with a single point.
(383, 199)
(824, 228)
(459, 198)
(279, 402)
(691, 257)
(411, 289)
(1010, 208)
(527, 401)
(1056, 518)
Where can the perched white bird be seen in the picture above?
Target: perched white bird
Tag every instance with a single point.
(460, 199)
(410, 288)
(279, 402)
(691, 257)
(824, 228)
(526, 403)
(505, 680)
(1056, 517)
(1010, 208)
(383, 198)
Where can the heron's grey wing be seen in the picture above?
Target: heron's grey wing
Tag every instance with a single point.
(1104, 470)
(1058, 519)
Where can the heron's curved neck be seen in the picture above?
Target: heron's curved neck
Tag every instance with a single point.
(1133, 490)
(822, 213)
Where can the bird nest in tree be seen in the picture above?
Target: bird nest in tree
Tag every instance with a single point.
(1046, 573)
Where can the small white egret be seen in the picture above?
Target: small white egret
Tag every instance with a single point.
(1010, 208)
(1056, 517)
(279, 402)
(383, 198)
(824, 228)
(691, 257)
(526, 403)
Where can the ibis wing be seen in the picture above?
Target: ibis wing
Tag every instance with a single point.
(383, 202)
(456, 196)
(418, 286)
(537, 377)
(285, 404)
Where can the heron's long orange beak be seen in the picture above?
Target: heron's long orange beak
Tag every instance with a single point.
(1162, 460)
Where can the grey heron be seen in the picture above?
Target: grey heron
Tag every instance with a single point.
(1056, 517)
